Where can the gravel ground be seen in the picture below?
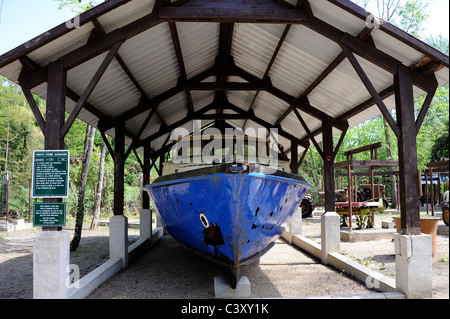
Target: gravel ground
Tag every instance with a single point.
(379, 255)
(170, 271)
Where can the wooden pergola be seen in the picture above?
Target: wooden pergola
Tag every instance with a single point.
(138, 69)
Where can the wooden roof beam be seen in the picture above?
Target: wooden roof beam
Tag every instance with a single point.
(236, 11)
(364, 49)
(101, 31)
(181, 65)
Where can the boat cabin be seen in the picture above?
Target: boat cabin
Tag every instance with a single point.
(192, 152)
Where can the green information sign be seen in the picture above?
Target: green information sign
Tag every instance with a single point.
(50, 174)
(49, 214)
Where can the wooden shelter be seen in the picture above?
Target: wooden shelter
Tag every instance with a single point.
(138, 69)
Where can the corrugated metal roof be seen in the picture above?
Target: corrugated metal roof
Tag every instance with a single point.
(151, 57)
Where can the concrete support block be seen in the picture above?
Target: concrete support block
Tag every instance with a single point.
(118, 238)
(330, 235)
(413, 265)
(159, 222)
(95, 278)
(51, 258)
(387, 225)
(223, 290)
(295, 227)
(145, 224)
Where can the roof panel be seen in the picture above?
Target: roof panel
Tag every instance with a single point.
(126, 14)
(136, 123)
(292, 125)
(302, 58)
(254, 45)
(174, 109)
(113, 95)
(151, 58)
(199, 45)
(202, 99)
(269, 108)
(62, 45)
(343, 87)
(242, 99)
(396, 48)
(337, 17)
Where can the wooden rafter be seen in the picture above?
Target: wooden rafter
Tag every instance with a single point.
(272, 60)
(373, 92)
(90, 88)
(101, 31)
(363, 35)
(179, 54)
(249, 11)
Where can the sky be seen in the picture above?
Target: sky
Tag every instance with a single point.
(22, 20)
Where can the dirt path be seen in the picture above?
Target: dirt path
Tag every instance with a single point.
(16, 258)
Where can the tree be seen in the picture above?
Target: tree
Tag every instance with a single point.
(76, 6)
(88, 145)
(412, 16)
(19, 137)
(441, 145)
(98, 194)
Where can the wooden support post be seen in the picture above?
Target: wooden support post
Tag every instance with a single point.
(294, 158)
(55, 110)
(146, 176)
(372, 185)
(119, 165)
(427, 193)
(162, 158)
(328, 165)
(432, 191)
(407, 151)
(56, 104)
(350, 194)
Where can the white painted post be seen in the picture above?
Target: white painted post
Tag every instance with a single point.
(330, 235)
(51, 258)
(145, 224)
(413, 265)
(295, 227)
(118, 238)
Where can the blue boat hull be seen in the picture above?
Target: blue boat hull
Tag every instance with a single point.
(230, 216)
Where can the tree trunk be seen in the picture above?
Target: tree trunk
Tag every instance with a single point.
(88, 145)
(98, 195)
(394, 199)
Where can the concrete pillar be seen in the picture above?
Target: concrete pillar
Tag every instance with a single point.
(413, 265)
(51, 258)
(145, 224)
(295, 226)
(330, 235)
(118, 238)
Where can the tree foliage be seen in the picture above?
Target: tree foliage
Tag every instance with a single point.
(77, 6)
